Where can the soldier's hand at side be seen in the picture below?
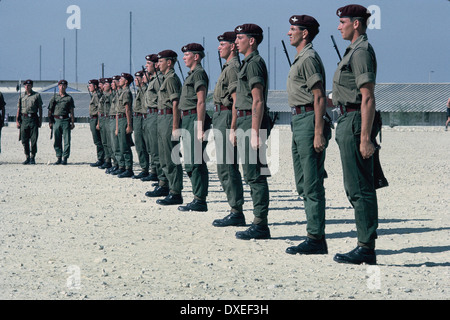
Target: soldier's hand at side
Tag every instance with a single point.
(367, 149)
(129, 130)
(232, 137)
(319, 143)
(50, 125)
(72, 125)
(18, 124)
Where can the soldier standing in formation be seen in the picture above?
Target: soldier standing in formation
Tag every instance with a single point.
(103, 122)
(353, 92)
(310, 133)
(154, 80)
(168, 133)
(94, 105)
(29, 120)
(251, 116)
(2, 117)
(224, 102)
(61, 121)
(195, 121)
(139, 115)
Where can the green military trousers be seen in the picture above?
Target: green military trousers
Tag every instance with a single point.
(358, 177)
(62, 133)
(151, 142)
(309, 171)
(29, 132)
(105, 137)
(96, 137)
(115, 150)
(227, 165)
(254, 166)
(194, 162)
(170, 164)
(139, 140)
(126, 161)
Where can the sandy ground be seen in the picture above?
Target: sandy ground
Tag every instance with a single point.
(73, 232)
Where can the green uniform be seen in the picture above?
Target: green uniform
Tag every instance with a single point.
(139, 116)
(227, 165)
(151, 125)
(306, 71)
(125, 98)
(103, 113)
(170, 90)
(115, 148)
(194, 163)
(93, 121)
(30, 104)
(253, 71)
(358, 67)
(62, 108)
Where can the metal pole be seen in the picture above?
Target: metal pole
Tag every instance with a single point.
(130, 39)
(268, 52)
(275, 68)
(64, 58)
(76, 58)
(40, 62)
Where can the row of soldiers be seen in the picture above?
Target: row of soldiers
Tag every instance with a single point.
(166, 112)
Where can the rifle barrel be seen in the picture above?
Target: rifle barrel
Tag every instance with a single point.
(285, 51)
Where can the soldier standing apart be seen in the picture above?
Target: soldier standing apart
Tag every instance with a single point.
(195, 121)
(61, 110)
(29, 120)
(252, 122)
(94, 105)
(124, 126)
(310, 133)
(224, 101)
(168, 133)
(103, 122)
(2, 117)
(154, 81)
(353, 93)
(115, 152)
(139, 116)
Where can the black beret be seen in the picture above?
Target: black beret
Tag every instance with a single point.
(28, 82)
(94, 82)
(62, 82)
(352, 11)
(168, 54)
(128, 77)
(250, 29)
(152, 57)
(304, 21)
(229, 36)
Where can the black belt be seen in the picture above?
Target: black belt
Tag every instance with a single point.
(243, 113)
(299, 109)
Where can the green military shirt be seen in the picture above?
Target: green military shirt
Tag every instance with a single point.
(125, 97)
(170, 90)
(30, 102)
(94, 104)
(227, 83)
(139, 105)
(61, 106)
(306, 70)
(105, 103)
(151, 95)
(358, 67)
(253, 71)
(195, 79)
(114, 101)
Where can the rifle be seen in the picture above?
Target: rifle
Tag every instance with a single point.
(285, 51)
(336, 48)
(179, 66)
(19, 117)
(220, 60)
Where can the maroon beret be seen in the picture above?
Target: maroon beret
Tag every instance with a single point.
(304, 21)
(352, 11)
(62, 82)
(152, 57)
(250, 29)
(116, 78)
(128, 77)
(28, 82)
(108, 80)
(194, 48)
(139, 74)
(229, 36)
(168, 54)
(94, 82)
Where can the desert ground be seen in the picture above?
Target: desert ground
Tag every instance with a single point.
(74, 233)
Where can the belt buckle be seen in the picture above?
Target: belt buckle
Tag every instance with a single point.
(293, 111)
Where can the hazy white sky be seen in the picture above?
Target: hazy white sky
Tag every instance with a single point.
(412, 43)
